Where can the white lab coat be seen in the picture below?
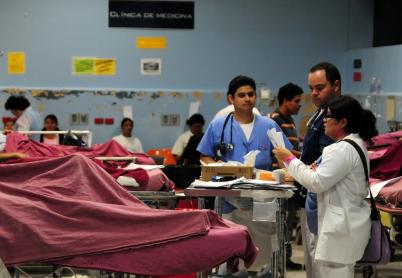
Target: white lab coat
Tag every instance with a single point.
(343, 214)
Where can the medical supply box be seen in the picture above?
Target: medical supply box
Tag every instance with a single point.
(207, 172)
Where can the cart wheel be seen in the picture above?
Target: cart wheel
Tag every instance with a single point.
(369, 271)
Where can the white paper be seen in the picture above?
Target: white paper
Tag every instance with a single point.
(216, 184)
(128, 111)
(276, 138)
(133, 166)
(194, 108)
(242, 181)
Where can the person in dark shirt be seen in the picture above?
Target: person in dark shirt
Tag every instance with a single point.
(190, 154)
(289, 98)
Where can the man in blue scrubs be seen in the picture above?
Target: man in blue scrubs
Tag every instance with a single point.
(242, 133)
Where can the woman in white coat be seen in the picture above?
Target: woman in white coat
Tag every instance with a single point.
(339, 180)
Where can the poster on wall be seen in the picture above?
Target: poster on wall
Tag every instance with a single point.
(16, 62)
(105, 66)
(83, 65)
(151, 14)
(151, 42)
(93, 66)
(151, 66)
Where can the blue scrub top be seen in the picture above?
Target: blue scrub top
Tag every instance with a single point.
(259, 140)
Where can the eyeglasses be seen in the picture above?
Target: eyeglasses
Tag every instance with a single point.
(330, 116)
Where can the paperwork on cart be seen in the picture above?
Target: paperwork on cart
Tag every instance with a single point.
(243, 183)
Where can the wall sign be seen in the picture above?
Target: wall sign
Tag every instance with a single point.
(151, 14)
(151, 66)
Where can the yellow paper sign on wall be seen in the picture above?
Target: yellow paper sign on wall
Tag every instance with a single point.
(151, 42)
(105, 66)
(16, 62)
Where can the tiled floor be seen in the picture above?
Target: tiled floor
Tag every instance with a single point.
(391, 270)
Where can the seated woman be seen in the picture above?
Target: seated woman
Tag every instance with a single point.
(27, 118)
(196, 124)
(339, 180)
(131, 143)
(51, 124)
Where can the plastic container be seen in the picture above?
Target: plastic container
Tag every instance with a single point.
(265, 211)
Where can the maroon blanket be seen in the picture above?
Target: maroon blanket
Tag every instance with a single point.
(67, 206)
(194, 254)
(155, 181)
(17, 142)
(387, 138)
(389, 165)
(390, 195)
(69, 210)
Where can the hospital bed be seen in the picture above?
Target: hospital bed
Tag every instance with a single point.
(85, 133)
(385, 152)
(104, 154)
(68, 211)
(268, 207)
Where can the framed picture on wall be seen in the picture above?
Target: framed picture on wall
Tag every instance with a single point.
(151, 66)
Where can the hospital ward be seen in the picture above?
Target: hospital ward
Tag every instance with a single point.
(200, 138)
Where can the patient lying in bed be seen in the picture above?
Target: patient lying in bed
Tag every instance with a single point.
(153, 180)
(69, 211)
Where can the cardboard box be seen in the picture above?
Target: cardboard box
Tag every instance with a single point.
(207, 172)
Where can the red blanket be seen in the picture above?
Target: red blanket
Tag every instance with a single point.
(69, 206)
(155, 181)
(17, 142)
(389, 165)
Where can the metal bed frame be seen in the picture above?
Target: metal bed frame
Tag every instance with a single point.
(278, 268)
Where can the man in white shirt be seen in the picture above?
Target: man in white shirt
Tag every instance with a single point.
(131, 143)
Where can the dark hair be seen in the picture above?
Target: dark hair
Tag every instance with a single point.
(52, 117)
(195, 119)
(331, 72)
(16, 103)
(238, 82)
(126, 120)
(359, 120)
(288, 92)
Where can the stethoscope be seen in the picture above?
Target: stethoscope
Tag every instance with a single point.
(313, 120)
(224, 148)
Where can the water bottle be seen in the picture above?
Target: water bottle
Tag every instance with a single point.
(373, 86)
(372, 91)
(378, 86)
